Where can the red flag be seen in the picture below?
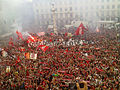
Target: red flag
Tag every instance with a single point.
(32, 39)
(66, 34)
(41, 34)
(11, 41)
(43, 47)
(22, 49)
(40, 46)
(82, 26)
(80, 30)
(18, 59)
(52, 34)
(19, 35)
(66, 50)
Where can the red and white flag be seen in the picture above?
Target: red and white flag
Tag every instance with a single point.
(11, 42)
(66, 34)
(80, 30)
(41, 34)
(52, 34)
(19, 35)
(43, 47)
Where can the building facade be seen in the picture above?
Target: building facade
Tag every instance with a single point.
(68, 11)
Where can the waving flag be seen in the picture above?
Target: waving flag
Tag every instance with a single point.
(66, 34)
(43, 47)
(41, 34)
(11, 42)
(52, 34)
(80, 29)
(19, 35)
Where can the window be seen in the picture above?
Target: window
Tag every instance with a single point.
(108, 13)
(76, 16)
(71, 15)
(102, 14)
(113, 6)
(119, 6)
(65, 9)
(66, 22)
(113, 13)
(108, 7)
(61, 15)
(102, 18)
(60, 9)
(102, 7)
(97, 7)
(42, 16)
(70, 8)
(108, 18)
(66, 15)
(76, 8)
(113, 18)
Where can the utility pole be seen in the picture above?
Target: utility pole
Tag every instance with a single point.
(54, 19)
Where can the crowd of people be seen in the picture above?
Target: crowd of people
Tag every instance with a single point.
(96, 63)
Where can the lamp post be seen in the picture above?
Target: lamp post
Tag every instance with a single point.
(54, 19)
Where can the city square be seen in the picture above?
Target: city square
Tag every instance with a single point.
(60, 45)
